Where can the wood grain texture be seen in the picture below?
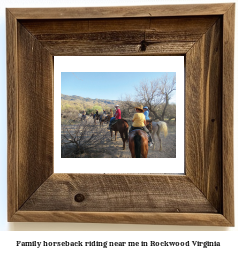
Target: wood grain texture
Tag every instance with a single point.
(122, 12)
(203, 119)
(119, 36)
(192, 219)
(227, 113)
(117, 193)
(49, 29)
(12, 114)
(35, 114)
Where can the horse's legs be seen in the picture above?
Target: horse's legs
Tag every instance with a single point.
(132, 149)
(124, 144)
(123, 140)
(153, 138)
(115, 135)
(111, 134)
(158, 134)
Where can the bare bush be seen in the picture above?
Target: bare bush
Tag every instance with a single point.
(80, 138)
(154, 94)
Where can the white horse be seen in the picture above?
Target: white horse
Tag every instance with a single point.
(158, 127)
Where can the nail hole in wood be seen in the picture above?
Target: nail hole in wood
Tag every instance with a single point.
(79, 198)
(213, 120)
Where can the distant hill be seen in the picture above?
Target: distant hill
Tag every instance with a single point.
(74, 99)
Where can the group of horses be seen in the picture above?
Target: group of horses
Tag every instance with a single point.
(138, 139)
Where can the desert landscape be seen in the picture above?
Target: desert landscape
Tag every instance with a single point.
(100, 144)
(82, 135)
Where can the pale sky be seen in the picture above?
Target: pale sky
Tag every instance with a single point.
(107, 85)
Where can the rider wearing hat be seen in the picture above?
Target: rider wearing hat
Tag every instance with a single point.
(139, 121)
(117, 116)
(146, 113)
(118, 112)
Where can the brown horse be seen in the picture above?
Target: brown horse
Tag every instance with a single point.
(122, 126)
(138, 143)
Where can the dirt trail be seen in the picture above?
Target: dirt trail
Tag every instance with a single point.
(113, 149)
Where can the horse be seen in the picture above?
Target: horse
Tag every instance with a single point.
(148, 125)
(157, 128)
(84, 118)
(122, 126)
(138, 143)
(103, 118)
(96, 117)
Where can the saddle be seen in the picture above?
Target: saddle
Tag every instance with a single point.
(137, 128)
(114, 121)
(149, 125)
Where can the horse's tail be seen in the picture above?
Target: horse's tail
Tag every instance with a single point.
(164, 128)
(137, 141)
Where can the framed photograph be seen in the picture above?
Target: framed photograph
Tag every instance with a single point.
(203, 35)
(102, 83)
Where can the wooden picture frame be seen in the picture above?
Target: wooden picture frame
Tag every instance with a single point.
(204, 34)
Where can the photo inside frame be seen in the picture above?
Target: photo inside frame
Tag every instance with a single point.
(90, 89)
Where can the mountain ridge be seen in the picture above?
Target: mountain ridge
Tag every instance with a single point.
(89, 100)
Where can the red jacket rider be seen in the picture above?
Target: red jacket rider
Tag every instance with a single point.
(118, 112)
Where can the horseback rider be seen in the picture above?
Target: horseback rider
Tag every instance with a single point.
(96, 115)
(147, 118)
(104, 115)
(116, 117)
(139, 121)
(146, 113)
(111, 113)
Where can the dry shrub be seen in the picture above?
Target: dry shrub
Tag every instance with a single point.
(80, 138)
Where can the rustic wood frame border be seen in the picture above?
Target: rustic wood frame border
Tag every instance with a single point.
(204, 34)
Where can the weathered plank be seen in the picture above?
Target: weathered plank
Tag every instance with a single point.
(192, 219)
(227, 113)
(204, 114)
(119, 36)
(114, 193)
(35, 133)
(177, 25)
(12, 114)
(121, 11)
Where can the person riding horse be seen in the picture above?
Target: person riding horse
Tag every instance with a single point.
(146, 113)
(83, 116)
(116, 117)
(147, 118)
(139, 122)
(111, 113)
(96, 116)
